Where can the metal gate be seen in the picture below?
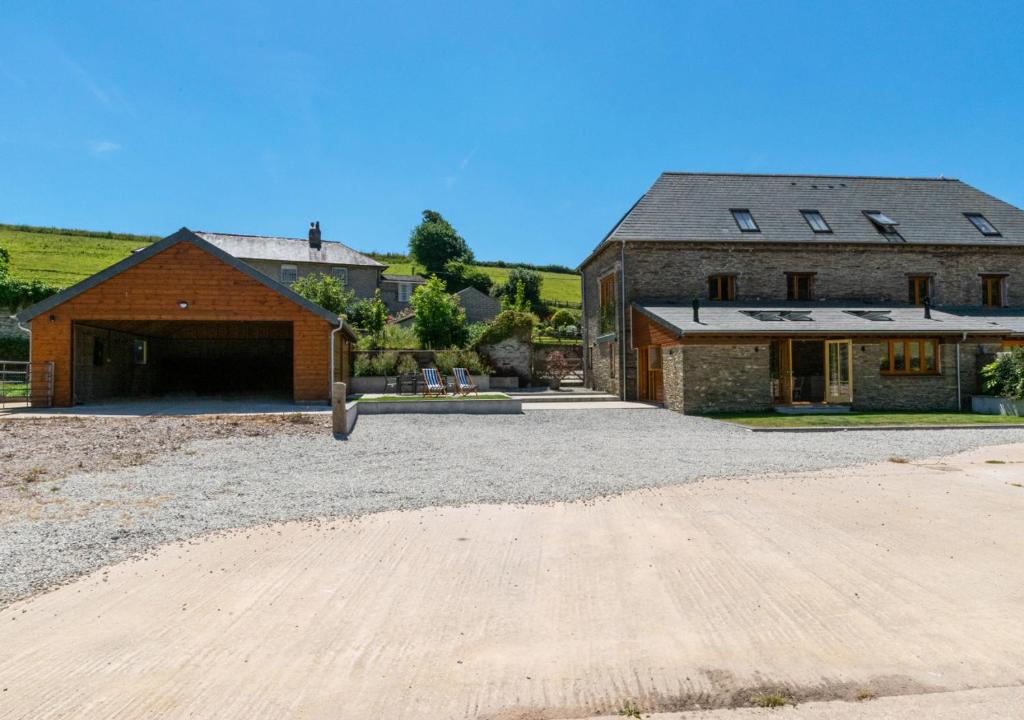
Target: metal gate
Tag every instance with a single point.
(26, 384)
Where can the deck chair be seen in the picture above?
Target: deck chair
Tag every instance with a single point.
(463, 382)
(433, 383)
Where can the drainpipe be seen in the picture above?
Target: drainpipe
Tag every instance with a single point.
(341, 324)
(26, 330)
(622, 339)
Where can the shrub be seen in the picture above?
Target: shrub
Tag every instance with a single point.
(1005, 376)
(326, 291)
(451, 358)
(440, 319)
(377, 364)
(562, 317)
(458, 276)
(475, 332)
(509, 323)
(394, 337)
(529, 280)
(407, 365)
(14, 348)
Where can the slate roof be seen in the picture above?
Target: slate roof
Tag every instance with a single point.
(822, 318)
(287, 250)
(404, 278)
(183, 235)
(695, 207)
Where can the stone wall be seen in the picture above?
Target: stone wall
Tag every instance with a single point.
(726, 378)
(603, 357)
(511, 356)
(479, 307)
(9, 326)
(874, 391)
(672, 378)
(843, 272)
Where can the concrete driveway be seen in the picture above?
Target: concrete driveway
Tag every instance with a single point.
(892, 579)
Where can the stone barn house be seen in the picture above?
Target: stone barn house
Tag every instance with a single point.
(183, 316)
(719, 292)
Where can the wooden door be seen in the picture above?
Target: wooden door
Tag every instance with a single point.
(838, 371)
(651, 385)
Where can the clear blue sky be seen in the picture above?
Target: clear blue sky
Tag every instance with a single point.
(531, 126)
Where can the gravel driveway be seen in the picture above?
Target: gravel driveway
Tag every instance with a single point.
(56, 530)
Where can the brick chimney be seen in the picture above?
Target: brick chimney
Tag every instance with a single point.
(314, 235)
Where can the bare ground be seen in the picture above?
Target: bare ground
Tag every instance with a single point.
(880, 580)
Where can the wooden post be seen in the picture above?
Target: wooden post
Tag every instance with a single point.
(339, 419)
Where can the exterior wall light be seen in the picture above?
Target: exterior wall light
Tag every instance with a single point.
(183, 304)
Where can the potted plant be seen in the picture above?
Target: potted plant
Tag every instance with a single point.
(557, 369)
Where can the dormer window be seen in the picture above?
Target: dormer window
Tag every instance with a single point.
(745, 220)
(816, 220)
(984, 226)
(882, 222)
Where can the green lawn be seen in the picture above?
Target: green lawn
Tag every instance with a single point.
(63, 259)
(13, 389)
(863, 419)
(557, 287)
(450, 398)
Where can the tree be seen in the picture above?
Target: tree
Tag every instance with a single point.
(458, 275)
(434, 242)
(369, 314)
(531, 281)
(440, 319)
(326, 291)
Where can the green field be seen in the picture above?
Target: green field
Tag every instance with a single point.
(864, 419)
(63, 257)
(557, 287)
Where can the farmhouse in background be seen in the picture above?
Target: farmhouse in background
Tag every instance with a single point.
(724, 292)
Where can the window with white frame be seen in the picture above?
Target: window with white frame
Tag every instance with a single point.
(404, 292)
(340, 274)
(289, 274)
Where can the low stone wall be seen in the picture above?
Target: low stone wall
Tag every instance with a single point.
(413, 406)
(377, 383)
(992, 405)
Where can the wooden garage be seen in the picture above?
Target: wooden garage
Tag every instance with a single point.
(182, 318)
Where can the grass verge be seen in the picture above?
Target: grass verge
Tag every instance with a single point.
(865, 419)
(432, 398)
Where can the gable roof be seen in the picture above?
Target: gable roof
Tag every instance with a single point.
(403, 278)
(475, 291)
(696, 207)
(183, 235)
(290, 250)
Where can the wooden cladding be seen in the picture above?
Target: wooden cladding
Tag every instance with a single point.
(913, 356)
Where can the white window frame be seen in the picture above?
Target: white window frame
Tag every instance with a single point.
(404, 289)
(340, 274)
(286, 268)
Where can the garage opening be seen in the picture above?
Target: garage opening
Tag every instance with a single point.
(146, 359)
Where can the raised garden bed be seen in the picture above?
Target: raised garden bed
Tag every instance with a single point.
(483, 404)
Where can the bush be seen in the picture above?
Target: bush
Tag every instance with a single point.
(562, 317)
(14, 348)
(1005, 376)
(440, 319)
(529, 280)
(474, 332)
(458, 276)
(508, 323)
(394, 337)
(407, 365)
(326, 291)
(446, 360)
(378, 364)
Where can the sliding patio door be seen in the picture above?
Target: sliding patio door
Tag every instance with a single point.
(839, 371)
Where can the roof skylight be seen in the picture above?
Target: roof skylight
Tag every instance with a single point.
(873, 315)
(984, 226)
(816, 220)
(745, 220)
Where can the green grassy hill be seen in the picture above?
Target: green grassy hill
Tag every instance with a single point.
(63, 257)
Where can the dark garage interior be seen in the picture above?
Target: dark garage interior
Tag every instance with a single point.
(156, 358)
